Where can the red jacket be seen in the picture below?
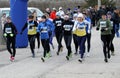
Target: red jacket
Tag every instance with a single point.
(53, 15)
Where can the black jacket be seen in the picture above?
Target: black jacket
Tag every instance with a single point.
(67, 27)
(9, 28)
(58, 25)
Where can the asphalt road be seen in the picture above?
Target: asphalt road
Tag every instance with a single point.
(58, 67)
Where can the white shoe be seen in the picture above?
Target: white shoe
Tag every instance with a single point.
(88, 54)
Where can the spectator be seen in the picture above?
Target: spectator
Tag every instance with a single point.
(53, 14)
(48, 11)
(61, 12)
(3, 20)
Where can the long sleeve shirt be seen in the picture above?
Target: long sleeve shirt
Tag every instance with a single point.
(9, 28)
(104, 25)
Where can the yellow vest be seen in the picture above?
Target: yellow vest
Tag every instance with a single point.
(80, 31)
(32, 29)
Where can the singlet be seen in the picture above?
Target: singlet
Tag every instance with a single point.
(80, 29)
(31, 28)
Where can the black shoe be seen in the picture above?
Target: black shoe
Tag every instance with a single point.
(106, 60)
(57, 53)
(67, 57)
(80, 60)
(43, 60)
(75, 53)
(33, 55)
(112, 53)
(109, 56)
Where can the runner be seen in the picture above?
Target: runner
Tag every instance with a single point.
(44, 28)
(67, 28)
(35, 18)
(105, 25)
(51, 33)
(31, 25)
(109, 16)
(80, 31)
(58, 31)
(75, 37)
(88, 20)
(10, 32)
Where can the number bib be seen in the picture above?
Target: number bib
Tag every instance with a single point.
(103, 24)
(30, 27)
(8, 30)
(44, 30)
(111, 23)
(81, 30)
(59, 23)
(67, 27)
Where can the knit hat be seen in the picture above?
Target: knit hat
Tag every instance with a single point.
(80, 15)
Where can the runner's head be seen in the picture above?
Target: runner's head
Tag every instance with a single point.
(8, 19)
(44, 18)
(109, 15)
(75, 16)
(103, 16)
(30, 17)
(66, 17)
(57, 15)
(80, 17)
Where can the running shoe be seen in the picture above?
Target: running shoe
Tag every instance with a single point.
(67, 57)
(12, 59)
(106, 60)
(58, 53)
(80, 60)
(61, 49)
(112, 53)
(109, 56)
(43, 59)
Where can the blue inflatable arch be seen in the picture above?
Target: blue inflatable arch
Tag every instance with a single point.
(18, 15)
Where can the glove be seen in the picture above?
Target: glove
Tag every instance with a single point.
(5, 34)
(11, 35)
(97, 28)
(102, 30)
(89, 31)
(41, 30)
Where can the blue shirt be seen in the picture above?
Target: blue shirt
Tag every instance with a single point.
(45, 28)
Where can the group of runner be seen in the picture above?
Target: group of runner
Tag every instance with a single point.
(62, 25)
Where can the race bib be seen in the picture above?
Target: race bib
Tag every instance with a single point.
(31, 27)
(111, 23)
(81, 30)
(44, 30)
(103, 24)
(8, 30)
(67, 27)
(59, 23)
